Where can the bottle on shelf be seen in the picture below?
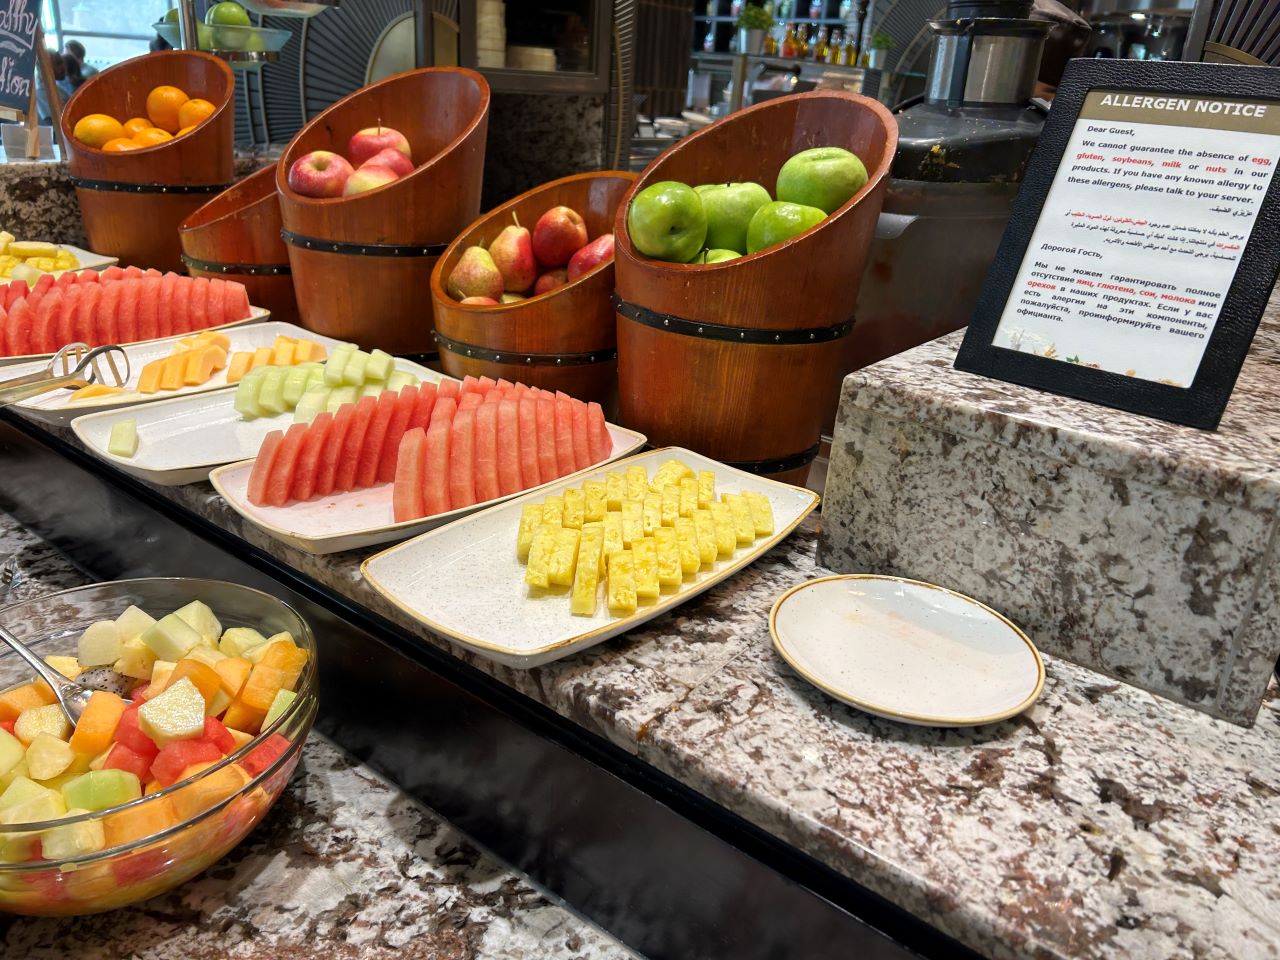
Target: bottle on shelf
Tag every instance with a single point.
(735, 8)
(789, 46)
(834, 46)
(802, 42)
(819, 51)
(713, 7)
(770, 44)
(849, 51)
(709, 41)
(846, 9)
(815, 10)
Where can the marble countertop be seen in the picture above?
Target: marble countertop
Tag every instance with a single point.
(344, 866)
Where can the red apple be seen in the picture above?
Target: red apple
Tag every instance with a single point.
(368, 177)
(480, 301)
(598, 251)
(320, 173)
(373, 140)
(550, 280)
(393, 160)
(558, 235)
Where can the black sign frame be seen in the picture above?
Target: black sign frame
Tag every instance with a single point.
(1203, 402)
(19, 64)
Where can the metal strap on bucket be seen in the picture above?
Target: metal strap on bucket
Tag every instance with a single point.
(363, 249)
(792, 461)
(240, 269)
(524, 359)
(114, 186)
(716, 331)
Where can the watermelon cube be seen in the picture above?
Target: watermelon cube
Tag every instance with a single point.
(129, 732)
(121, 757)
(217, 734)
(177, 756)
(265, 754)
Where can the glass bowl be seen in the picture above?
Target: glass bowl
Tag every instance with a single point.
(227, 38)
(151, 863)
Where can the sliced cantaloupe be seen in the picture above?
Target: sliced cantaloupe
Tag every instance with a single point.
(213, 338)
(94, 390)
(149, 379)
(172, 370)
(240, 365)
(282, 351)
(263, 356)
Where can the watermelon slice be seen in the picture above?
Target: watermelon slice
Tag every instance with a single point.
(448, 388)
(181, 303)
(108, 313)
(315, 442)
(84, 324)
(349, 462)
(422, 409)
(410, 476)
(462, 440)
(527, 417)
(134, 273)
(14, 291)
(565, 459)
(219, 291)
(504, 385)
(600, 441)
(164, 304)
(581, 436)
(43, 285)
(406, 400)
(148, 294)
(127, 314)
(509, 446)
(435, 492)
(198, 315)
(326, 474)
(493, 396)
(88, 276)
(45, 330)
(521, 390)
(469, 385)
(486, 384)
(113, 272)
(4, 328)
(262, 466)
(470, 401)
(486, 452)
(280, 480)
(67, 279)
(21, 322)
(548, 467)
(66, 320)
(371, 449)
(237, 302)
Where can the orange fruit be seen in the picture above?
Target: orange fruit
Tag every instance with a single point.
(135, 125)
(163, 104)
(184, 131)
(151, 136)
(119, 145)
(96, 129)
(195, 112)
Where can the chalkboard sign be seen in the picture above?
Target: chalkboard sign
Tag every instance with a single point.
(19, 20)
(1144, 242)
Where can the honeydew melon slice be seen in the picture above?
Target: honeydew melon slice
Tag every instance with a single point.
(399, 380)
(100, 644)
(236, 640)
(353, 373)
(200, 618)
(278, 706)
(246, 399)
(73, 839)
(271, 394)
(99, 789)
(133, 622)
(372, 388)
(338, 397)
(123, 441)
(295, 384)
(313, 402)
(379, 366)
(335, 366)
(171, 638)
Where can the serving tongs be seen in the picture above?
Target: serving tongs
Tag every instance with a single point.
(74, 366)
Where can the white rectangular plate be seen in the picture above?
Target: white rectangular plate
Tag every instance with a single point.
(361, 518)
(55, 405)
(88, 260)
(464, 581)
(181, 440)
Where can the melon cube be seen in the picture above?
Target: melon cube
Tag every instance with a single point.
(621, 589)
(177, 713)
(564, 557)
(241, 716)
(233, 671)
(100, 644)
(283, 700)
(574, 508)
(370, 389)
(11, 751)
(726, 528)
(32, 806)
(47, 719)
(651, 513)
(19, 769)
(586, 577)
(400, 379)
(705, 527)
(632, 521)
(69, 667)
(536, 574)
(644, 558)
(295, 385)
(262, 686)
(161, 671)
(73, 839)
(99, 789)
(743, 523)
(530, 520)
(48, 756)
(271, 392)
(171, 638)
(136, 659)
(132, 623)
(688, 496)
(262, 356)
(593, 501)
(669, 572)
(236, 640)
(311, 404)
(339, 397)
(200, 618)
(123, 440)
(208, 791)
(134, 823)
(379, 366)
(335, 366)
(15, 701)
(205, 679)
(706, 488)
(615, 490)
(239, 365)
(353, 373)
(286, 657)
(98, 722)
(761, 512)
(21, 789)
(206, 655)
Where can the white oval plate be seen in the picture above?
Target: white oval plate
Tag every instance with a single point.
(181, 440)
(906, 650)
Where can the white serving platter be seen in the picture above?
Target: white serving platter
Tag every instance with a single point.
(55, 405)
(360, 518)
(465, 582)
(906, 650)
(181, 440)
(88, 260)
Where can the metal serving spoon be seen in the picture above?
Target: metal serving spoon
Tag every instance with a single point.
(73, 697)
(74, 366)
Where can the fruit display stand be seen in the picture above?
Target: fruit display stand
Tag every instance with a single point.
(740, 360)
(236, 236)
(561, 340)
(362, 264)
(133, 201)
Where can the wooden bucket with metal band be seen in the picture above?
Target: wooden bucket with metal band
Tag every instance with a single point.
(236, 236)
(133, 201)
(740, 360)
(561, 340)
(362, 264)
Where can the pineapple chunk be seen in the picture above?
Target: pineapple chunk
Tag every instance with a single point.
(743, 524)
(622, 583)
(612, 536)
(564, 557)
(687, 541)
(726, 529)
(544, 542)
(644, 554)
(99, 644)
(171, 638)
(615, 490)
(637, 483)
(69, 667)
(632, 522)
(161, 670)
(47, 719)
(135, 659)
(651, 515)
(73, 839)
(706, 488)
(530, 520)
(48, 756)
(593, 506)
(237, 640)
(688, 496)
(671, 472)
(761, 513)
(597, 525)
(586, 578)
(553, 511)
(669, 572)
(200, 618)
(206, 655)
(574, 503)
(670, 504)
(705, 526)
(175, 714)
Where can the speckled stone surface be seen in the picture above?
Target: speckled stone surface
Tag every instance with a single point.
(1139, 548)
(344, 866)
(533, 139)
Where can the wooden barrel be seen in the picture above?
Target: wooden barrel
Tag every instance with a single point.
(362, 264)
(562, 340)
(236, 236)
(739, 360)
(132, 202)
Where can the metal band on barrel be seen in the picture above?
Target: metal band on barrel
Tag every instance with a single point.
(115, 186)
(240, 269)
(363, 249)
(777, 465)
(524, 359)
(716, 331)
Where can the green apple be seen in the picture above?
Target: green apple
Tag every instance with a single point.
(824, 177)
(779, 221)
(666, 221)
(729, 208)
(170, 15)
(720, 256)
(228, 13)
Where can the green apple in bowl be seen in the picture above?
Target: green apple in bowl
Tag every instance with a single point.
(666, 221)
(719, 256)
(228, 13)
(823, 177)
(778, 221)
(729, 208)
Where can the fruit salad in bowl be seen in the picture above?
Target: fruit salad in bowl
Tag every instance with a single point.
(155, 783)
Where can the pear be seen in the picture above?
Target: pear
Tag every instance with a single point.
(476, 275)
(512, 252)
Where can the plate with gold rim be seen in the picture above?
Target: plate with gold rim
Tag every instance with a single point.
(907, 650)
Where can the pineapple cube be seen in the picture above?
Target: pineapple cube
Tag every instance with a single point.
(135, 660)
(45, 804)
(598, 526)
(200, 618)
(586, 578)
(540, 550)
(11, 751)
(651, 517)
(644, 553)
(706, 488)
(670, 504)
(574, 503)
(761, 512)
(206, 655)
(637, 483)
(236, 640)
(99, 644)
(48, 756)
(564, 557)
(688, 496)
(73, 839)
(687, 541)
(615, 490)
(612, 525)
(530, 520)
(705, 526)
(69, 667)
(743, 523)
(47, 719)
(622, 583)
(161, 670)
(669, 572)
(671, 472)
(553, 511)
(593, 506)
(632, 522)
(171, 638)
(726, 529)
(175, 714)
